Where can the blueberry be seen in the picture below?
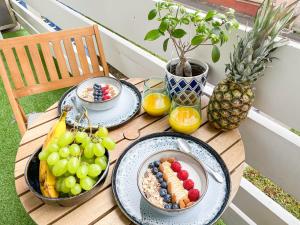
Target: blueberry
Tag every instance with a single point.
(159, 175)
(163, 184)
(175, 206)
(156, 163)
(96, 86)
(160, 180)
(168, 206)
(167, 198)
(151, 165)
(154, 170)
(163, 192)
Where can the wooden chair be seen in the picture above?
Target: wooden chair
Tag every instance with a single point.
(44, 62)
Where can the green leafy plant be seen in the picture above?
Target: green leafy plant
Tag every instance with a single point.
(174, 21)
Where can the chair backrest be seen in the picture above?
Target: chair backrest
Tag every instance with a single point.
(44, 62)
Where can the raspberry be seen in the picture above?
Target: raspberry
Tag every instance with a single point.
(183, 175)
(194, 195)
(188, 184)
(176, 167)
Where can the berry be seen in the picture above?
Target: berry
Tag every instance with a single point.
(156, 163)
(163, 192)
(164, 184)
(151, 165)
(183, 175)
(175, 206)
(160, 180)
(159, 175)
(188, 184)
(167, 198)
(194, 195)
(154, 170)
(168, 206)
(176, 167)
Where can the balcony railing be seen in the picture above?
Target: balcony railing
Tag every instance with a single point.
(270, 146)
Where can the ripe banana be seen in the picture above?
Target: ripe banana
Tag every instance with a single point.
(46, 178)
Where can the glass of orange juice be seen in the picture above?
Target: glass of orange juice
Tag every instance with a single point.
(156, 101)
(185, 114)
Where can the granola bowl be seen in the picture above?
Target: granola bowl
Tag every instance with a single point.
(172, 181)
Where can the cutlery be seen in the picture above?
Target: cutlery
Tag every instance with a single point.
(184, 146)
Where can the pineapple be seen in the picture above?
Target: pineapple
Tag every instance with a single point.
(233, 97)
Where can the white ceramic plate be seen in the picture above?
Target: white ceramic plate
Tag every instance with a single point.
(125, 109)
(134, 206)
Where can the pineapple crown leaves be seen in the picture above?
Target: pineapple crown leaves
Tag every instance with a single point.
(252, 52)
(177, 23)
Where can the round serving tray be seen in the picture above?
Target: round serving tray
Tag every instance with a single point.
(125, 109)
(130, 201)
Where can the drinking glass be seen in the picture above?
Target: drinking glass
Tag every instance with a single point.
(185, 114)
(156, 101)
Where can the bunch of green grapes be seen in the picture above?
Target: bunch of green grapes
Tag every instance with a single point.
(76, 159)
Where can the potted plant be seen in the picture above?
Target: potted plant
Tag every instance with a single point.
(233, 97)
(188, 30)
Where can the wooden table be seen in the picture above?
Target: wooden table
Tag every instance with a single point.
(102, 209)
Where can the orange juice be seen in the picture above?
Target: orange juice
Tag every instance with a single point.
(156, 104)
(185, 119)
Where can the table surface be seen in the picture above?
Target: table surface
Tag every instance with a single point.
(102, 209)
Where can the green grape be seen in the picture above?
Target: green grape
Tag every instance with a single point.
(73, 165)
(98, 149)
(86, 160)
(80, 137)
(88, 150)
(43, 155)
(102, 162)
(94, 170)
(87, 183)
(76, 189)
(74, 150)
(58, 184)
(64, 152)
(64, 187)
(60, 167)
(53, 158)
(70, 181)
(86, 141)
(82, 171)
(108, 143)
(53, 147)
(66, 139)
(102, 132)
(67, 173)
(54, 140)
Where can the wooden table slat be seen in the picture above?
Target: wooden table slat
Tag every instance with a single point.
(101, 209)
(115, 217)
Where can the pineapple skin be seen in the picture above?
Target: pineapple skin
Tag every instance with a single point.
(229, 104)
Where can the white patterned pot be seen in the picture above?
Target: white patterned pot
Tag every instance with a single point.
(189, 85)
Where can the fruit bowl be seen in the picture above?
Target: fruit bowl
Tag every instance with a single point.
(32, 180)
(181, 181)
(99, 93)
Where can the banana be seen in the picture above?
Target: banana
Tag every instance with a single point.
(46, 178)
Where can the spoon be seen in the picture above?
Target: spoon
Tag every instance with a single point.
(184, 146)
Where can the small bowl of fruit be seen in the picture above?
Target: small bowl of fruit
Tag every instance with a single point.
(71, 167)
(172, 181)
(99, 93)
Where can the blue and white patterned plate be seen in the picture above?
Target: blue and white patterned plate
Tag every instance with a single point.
(126, 108)
(132, 204)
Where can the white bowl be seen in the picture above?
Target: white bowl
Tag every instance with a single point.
(194, 167)
(102, 105)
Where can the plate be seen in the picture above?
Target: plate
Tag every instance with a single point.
(133, 205)
(125, 109)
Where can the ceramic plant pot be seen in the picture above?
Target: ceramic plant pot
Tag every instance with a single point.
(189, 85)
